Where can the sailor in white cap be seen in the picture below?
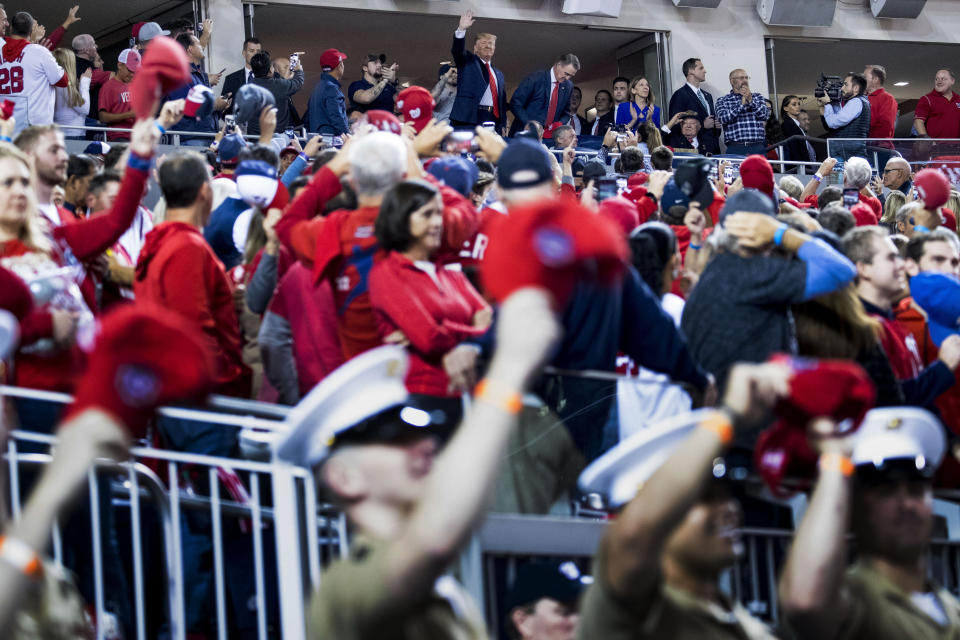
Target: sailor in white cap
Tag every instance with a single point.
(411, 507)
(656, 572)
(880, 480)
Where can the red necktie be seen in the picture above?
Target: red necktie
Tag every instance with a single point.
(552, 109)
(494, 92)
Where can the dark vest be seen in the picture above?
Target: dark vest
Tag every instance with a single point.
(857, 128)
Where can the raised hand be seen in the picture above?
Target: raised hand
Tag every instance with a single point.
(466, 20)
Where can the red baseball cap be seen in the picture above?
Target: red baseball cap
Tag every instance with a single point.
(551, 244)
(384, 121)
(416, 104)
(144, 356)
(839, 389)
(136, 29)
(330, 58)
(933, 188)
(756, 173)
(638, 179)
(164, 68)
(621, 212)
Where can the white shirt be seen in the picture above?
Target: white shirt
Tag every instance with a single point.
(65, 115)
(49, 211)
(929, 603)
(27, 82)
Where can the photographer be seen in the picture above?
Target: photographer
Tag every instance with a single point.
(848, 117)
(281, 88)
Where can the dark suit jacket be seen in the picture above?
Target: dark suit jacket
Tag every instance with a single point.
(531, 100)
(472, 82)
(233, 82)
(795, 150)
(606, 121)
(684, 99)
(678, 141)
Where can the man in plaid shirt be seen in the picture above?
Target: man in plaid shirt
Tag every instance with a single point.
(744, 116)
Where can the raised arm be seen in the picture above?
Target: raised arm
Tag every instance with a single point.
(463, 475)
(635, 541)
(87, 238)
(811, 586)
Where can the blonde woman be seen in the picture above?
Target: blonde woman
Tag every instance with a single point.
(641, 108)
(895, 200)
(49, 357)
(73, 100)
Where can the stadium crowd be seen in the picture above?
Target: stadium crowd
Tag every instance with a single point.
(461, 266)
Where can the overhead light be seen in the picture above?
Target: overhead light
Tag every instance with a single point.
(900, 84)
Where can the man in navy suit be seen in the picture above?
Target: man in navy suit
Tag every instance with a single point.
(690, 97)
(544, 96)
(481, 89)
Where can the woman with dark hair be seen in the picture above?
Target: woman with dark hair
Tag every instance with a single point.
(649, 397)
(796, 150)
(427, 306)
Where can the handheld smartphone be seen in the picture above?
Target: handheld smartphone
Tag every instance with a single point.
(459, 142)
(231, 125)
(294, 59)
(728, 175)
(607, 187)
(851, 196)
(490, 126)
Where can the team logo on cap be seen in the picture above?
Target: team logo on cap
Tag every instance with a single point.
(554, 247)
(137, 386)
(414, 113)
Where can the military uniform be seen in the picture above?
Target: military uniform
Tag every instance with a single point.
(354, 603)
(881, 610)
(673, 614)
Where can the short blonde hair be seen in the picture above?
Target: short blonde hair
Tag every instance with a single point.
(485, 36)
(33, 232)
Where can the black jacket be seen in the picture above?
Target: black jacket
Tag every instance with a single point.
(684, 99)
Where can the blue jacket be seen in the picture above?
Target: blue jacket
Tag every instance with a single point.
(684, 99)
(219, 231)
(206, 125)
(472, 82)
(326, 110)
(531, 100)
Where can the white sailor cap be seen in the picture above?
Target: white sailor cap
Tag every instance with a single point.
(905, 438)
(618, 475)
(365, 399)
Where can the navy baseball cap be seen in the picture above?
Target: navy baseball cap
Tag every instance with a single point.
(457, 173)
(97, 148)
(229, 150)
(524, 163)
(560, 581)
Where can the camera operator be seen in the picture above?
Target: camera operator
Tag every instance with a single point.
(847, 118)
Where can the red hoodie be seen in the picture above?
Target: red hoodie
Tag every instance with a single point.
(72, 243)
(178, 270)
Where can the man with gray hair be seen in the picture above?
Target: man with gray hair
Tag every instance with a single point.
(341, 246)
(857, 173)
(912, 218)
(791, 186)
(544, 96)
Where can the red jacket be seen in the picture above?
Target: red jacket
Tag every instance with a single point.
(341, 248)
(73, 243)
(434, 318)
(178, 270)
(883, 114)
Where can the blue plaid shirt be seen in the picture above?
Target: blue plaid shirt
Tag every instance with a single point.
(743, 122)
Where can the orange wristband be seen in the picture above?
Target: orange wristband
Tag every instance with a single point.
(836, 462)
(511, 401)
(21, 557)
(720, 425)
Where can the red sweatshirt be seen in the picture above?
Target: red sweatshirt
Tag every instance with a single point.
(178, 270)
(341, 248)
(73, 243)
(435, 318)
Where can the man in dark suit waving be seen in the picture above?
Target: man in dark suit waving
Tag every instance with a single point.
(481, 92)
(690, 97)
(544, 96)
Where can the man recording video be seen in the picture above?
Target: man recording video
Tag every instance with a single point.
(847, 118)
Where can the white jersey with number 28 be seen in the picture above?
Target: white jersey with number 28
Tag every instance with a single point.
(28, 81)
